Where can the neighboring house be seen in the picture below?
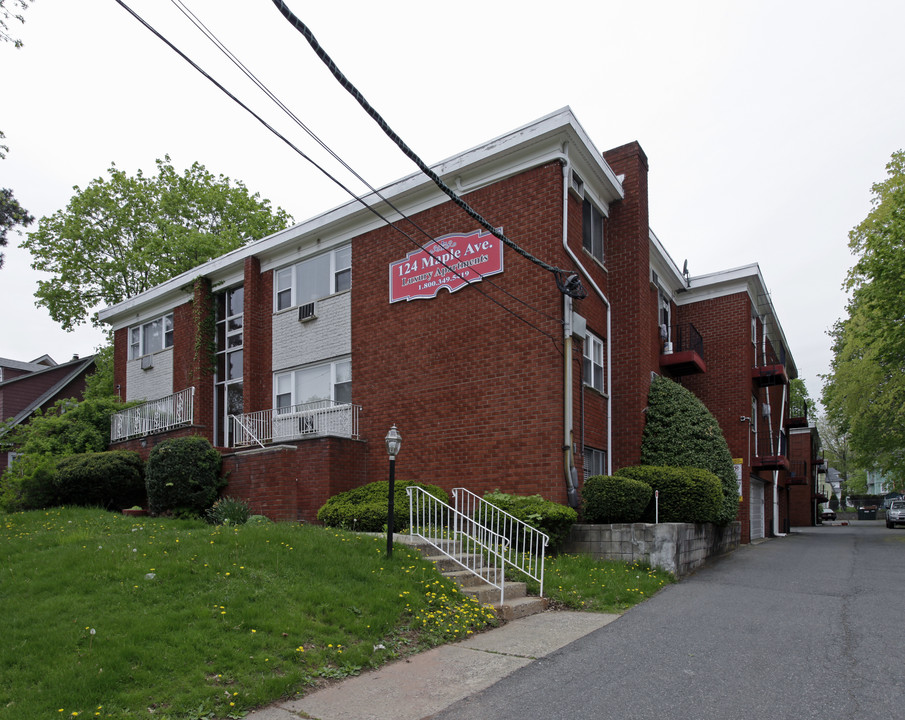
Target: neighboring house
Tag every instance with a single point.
(29, 386)
(296, 353)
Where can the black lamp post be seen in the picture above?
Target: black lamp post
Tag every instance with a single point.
(394, 443)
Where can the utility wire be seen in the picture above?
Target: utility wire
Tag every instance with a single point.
(407, 151)
(251, 76)
(312, 161)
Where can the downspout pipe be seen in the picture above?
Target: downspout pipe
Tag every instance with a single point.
(782, 410)
(570, 471)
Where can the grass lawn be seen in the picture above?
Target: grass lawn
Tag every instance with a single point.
(107, 616)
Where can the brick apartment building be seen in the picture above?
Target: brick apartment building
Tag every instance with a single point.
(296, 353)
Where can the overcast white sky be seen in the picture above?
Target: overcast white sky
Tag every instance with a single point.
(765, 123)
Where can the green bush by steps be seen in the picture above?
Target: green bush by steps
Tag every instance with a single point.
(365, 508)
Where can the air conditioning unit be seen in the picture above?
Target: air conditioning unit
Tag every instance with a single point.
(765, 410)
(576, 185)
(147, 362)
(306, 312)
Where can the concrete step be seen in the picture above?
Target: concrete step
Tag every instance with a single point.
(490, 595)
(520, 607)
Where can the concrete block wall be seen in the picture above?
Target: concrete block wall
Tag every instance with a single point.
(679, 548)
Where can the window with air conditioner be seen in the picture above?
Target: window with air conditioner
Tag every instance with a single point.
(151, 337)
(330, 381)
(313, 278)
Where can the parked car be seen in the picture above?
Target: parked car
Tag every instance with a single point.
(827, 514)
(895, 513)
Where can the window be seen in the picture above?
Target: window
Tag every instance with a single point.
(314, 278)
(592, 222)
(594, 363)
(594, 462)
(151, 337)
(228, 380)
(327, 382)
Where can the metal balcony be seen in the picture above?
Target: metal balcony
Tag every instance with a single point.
(684, 353)
(770, 455)
(769, 370)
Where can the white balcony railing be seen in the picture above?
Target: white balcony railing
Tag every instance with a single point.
(154, 416)
(294, 423)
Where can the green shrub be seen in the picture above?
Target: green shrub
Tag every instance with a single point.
(365, 508)
(182, 476)
(229, 511)
(549, 517)
(681, 432)
(687, 495)
(108, 479)
(614, 499)
(29, 484)
(67, 428)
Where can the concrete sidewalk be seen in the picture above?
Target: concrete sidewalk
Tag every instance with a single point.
(424, 684)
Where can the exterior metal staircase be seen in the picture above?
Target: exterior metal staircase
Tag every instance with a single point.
(474, 543)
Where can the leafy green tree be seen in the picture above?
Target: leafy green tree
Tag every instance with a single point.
(123, 235)
(11, 10)
(681, 432)
(67, 428)
(864, 394)
(800, 399)
(11, 212)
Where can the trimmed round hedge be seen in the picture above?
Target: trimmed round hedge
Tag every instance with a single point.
(687, 495)
(551, 518)
(614, 499)
(182, 476)
(681, 432)
(109, 480)
(365, 508)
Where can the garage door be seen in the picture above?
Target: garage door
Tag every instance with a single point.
(757, 509)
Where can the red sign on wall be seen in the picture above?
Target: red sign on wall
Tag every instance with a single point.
(450, 262)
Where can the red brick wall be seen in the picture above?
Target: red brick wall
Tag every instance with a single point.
(726, 389)
(120, 359)
(257, 377)
(475, 392)
(200, 362)
(292, 483)
(634, 304)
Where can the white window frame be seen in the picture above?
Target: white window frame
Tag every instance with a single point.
(137, 340)
(287, 281)
(597, 232)
(284, 384)
(591, 344)
(594, 461)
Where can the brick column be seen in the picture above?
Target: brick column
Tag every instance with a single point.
(634, 326)
(202, 364)
(257, 338)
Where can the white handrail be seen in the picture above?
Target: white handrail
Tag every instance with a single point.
(527, 545)
(475, 548)
(475, 532)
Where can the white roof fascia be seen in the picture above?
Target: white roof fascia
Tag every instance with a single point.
(748, 279)
(516, 151)
(671, 279)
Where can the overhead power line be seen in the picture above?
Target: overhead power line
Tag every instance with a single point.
(400, 143)
(314, 163)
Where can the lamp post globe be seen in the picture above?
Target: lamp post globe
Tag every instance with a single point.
(394, 443)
